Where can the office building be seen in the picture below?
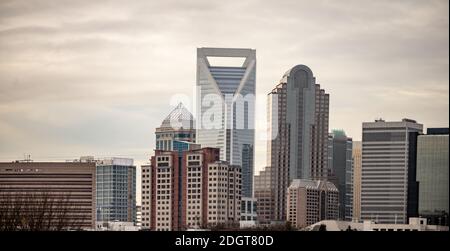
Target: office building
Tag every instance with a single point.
(248, 212)
(357, 162)
(388, 185)
(298, 130)
(116, 188)
(146, 191)
(223, 205)
(265, 195)
(70, 186)
(310, 201)
(179, 147)
(432, 175)
(208, 193)
(177, 126)
(226, 107)
(341, 173)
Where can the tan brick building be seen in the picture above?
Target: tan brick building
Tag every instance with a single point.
(73, 182)
(310, 201)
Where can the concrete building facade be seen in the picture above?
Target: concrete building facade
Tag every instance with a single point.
(146, 200)
(357, 162)
(310, 201)
(265, 195)
(388, 170)
(75, 183)
(249, 216)
(415, 224)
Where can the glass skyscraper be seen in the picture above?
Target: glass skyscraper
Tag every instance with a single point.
(341, 173)
(432, 175)
(298, 129)
(116, 190)
(226, 108)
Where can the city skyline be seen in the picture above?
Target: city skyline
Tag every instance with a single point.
(72, 85)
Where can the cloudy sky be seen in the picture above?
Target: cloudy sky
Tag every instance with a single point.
(96, 77)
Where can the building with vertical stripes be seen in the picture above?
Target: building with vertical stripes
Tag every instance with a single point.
(298, 134)
(226, 107)
(341, 173)
(265, 195)
(116, 188)
(432, 176)
(356, 162)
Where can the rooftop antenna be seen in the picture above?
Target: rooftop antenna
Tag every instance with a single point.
(27, 158)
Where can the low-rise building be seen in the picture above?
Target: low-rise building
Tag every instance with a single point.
(415, 224)
(248, 212)
(116, 226)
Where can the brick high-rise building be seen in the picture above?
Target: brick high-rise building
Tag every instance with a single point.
(311, 201)
(196, 190)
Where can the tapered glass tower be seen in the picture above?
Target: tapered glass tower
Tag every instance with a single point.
(225, 107)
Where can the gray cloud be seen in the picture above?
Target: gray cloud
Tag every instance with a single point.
(96, 77)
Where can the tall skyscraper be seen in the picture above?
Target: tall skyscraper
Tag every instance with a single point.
(298, 127)
(178, 125)
(226, 108)
(342, 171)
(432, 175)
(115, 187)
(357, 162)
(69, 186)
(388, 167)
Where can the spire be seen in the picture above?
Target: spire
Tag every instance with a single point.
(179, 117)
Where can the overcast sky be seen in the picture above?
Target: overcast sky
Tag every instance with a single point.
(96, 77)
